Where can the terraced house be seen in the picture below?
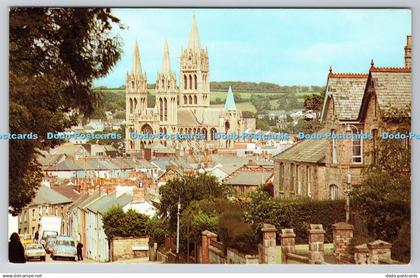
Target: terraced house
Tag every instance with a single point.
(357, 107)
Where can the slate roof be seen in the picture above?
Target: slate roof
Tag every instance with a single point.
(87, 201)
(157, 147)
(101, 164)
(82, 197)
(106, 202)
(346, 90)
(46, 195)
(393, 88)
(67, 191)
(312, 151)
(248, 178)
(47, 159)
(164, 162)
(66, 165)
(69, 149)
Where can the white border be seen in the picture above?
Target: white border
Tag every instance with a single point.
(5, 267)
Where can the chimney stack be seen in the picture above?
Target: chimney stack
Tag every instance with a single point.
(138, 195)
(407, 56)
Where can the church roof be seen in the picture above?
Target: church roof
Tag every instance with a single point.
(211, 116)
(207, 116)
(186, 117)
(230, 101)
(194, 41)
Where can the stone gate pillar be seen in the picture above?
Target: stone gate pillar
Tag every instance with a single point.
(316, 235)
(379, 251)
(361, 254)
(206, 236)
(342, 236)
(287, 237)
(268, 244)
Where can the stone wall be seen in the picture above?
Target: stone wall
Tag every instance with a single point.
(129, 247)
(217, 252)
(235, 257)
(375, 252)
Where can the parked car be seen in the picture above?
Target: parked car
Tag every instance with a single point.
(49, 244)
(34, 250)
(65, 247)
(26, 239)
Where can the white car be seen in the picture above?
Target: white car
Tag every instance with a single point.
(35, 251)
(65, 247)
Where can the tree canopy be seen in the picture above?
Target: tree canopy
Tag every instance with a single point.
(120, 223)
(186, 189)
(55, 54)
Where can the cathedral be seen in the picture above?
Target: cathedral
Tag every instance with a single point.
(180, 108)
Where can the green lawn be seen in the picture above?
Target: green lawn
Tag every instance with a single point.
(242, 106)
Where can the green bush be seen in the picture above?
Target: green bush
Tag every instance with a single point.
(401, 245)
(117, 223)
(296, 214)
(234, 232)
(156, 229)
(383, 203)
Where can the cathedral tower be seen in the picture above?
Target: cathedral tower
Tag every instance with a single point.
(136, 87)
(166, 94)
(135, 96)
(194, 73)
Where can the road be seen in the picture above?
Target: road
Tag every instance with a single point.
(48, 260)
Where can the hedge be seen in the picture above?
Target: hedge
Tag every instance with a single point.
(296, 214)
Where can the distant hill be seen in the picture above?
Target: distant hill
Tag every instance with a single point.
(262, 87)
(249, 96)
(245, 87)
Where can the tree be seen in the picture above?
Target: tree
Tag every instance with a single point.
(157, 229)
(185, 189)
(55, 53)
(119, 223)
(314, 102)
(236, 233)
(382, 202)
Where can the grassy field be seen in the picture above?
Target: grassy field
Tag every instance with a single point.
(221, 97)
(242, 106)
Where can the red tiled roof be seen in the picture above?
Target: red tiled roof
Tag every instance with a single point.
(384, 69)
(347, 75)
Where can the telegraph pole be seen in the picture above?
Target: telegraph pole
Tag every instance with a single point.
(177, 231)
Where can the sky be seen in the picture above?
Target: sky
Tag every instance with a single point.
(283, 46)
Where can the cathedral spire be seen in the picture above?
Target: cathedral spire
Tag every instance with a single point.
(194, 41)
(166, 62)
(230, 101)
(136, 69)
